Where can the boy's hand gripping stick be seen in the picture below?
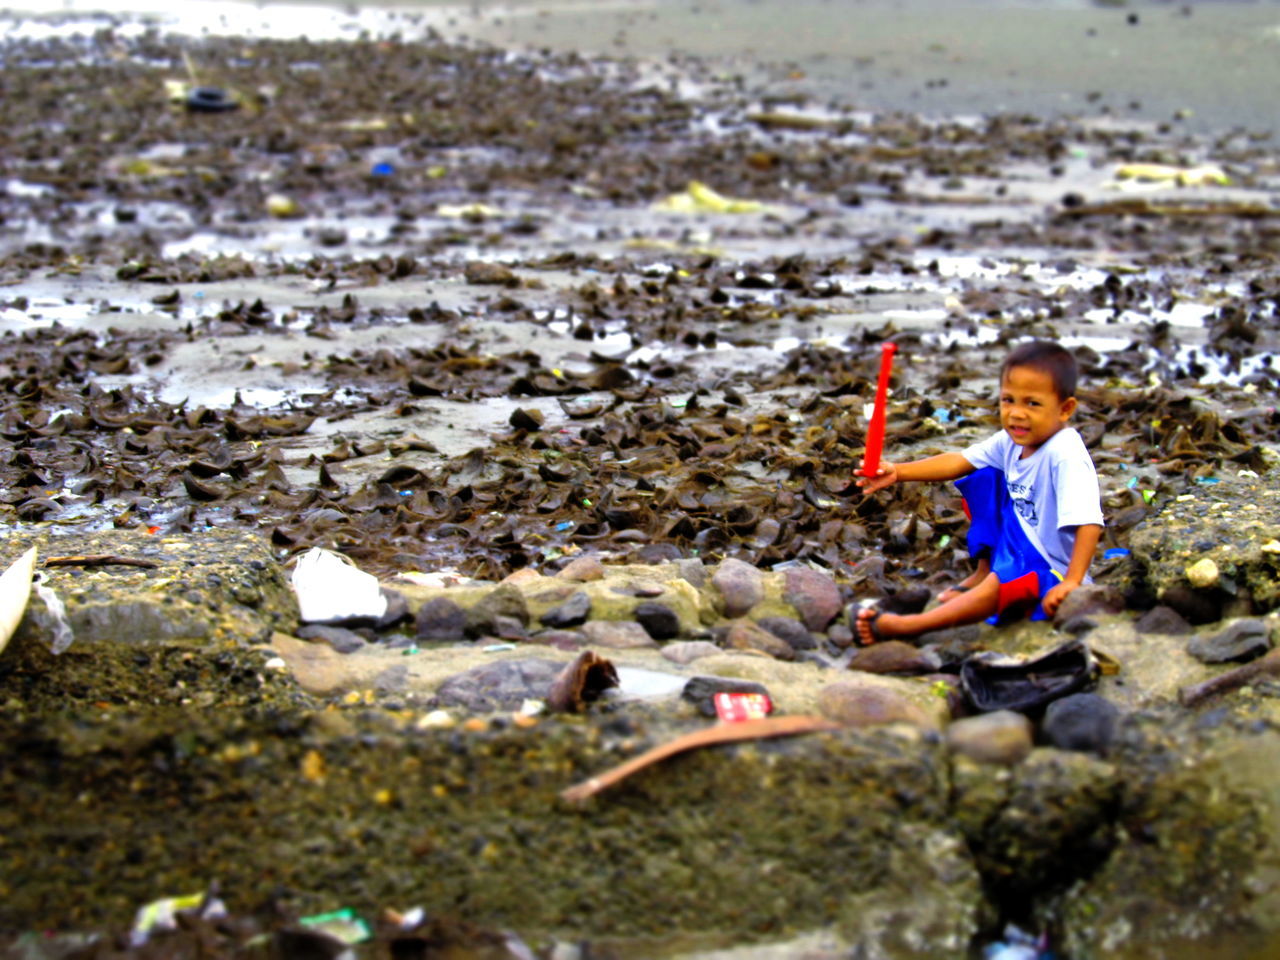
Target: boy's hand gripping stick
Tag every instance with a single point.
(875, 430)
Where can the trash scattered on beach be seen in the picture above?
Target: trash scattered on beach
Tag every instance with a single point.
(331, 587)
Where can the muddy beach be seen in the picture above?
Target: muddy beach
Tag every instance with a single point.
(521, 330)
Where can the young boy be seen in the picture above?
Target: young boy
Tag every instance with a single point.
(1032, 496)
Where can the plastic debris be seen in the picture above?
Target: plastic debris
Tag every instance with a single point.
(498, 647)
(1114, 552)
(331, 587)
(382, 170)
(210, 100)
(15, 592)
(160, 916)
(344, 925)
(737, 707)
(282, 207)
(1017, 945)
(62, 635)
(1161, 173)
(700, 198)
(467, 211)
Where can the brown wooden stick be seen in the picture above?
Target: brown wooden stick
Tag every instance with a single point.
(1265, 666)
(707, 737)
(97, 560)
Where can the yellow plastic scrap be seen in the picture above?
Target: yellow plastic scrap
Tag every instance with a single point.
(1205, 174)
(700, 198)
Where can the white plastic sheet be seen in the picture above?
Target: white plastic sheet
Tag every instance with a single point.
(330, 587)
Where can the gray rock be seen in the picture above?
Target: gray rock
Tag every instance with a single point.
(562, 639)
(790, 630)
(895, 656)
(1196, 606)
(504, 600)
(339, 638)
(701, 691)
(1241, 641)
(1081, 721)
(1163, 620)
(499, 686)
(441, 620)
(687, 651)
(857, 703)
(1090, 599)
(840, 635)
(570, 613)
(1001, 737)
(658, 619)
(745, 635)
(693, 570)
(740, 584)
(509, 628)
(618, 634)
(814, 595)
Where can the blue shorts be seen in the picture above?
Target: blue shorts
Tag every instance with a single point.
(996, 533)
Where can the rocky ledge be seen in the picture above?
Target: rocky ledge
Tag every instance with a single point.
(419, 757)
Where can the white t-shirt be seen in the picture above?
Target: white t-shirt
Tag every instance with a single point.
(1054, 490)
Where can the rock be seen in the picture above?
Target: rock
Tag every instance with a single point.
(687, 651)
(1089, 600)
(907, 600)
(866, 700)
(840, 635)
(570, 613)
(895, 656)
(1197, 606)
(523, 419)
(693, 570)
(1232, 524)
(562, 639)
(790, 630)
(1081, 721)
(504, 685)
(701, 691)
(340, 638)
(1002, 737)
(440, 620)
(658, 619)
(582, 569)
(1203, 573)
(740, 584)
(1163, 620)
(521, 576)
(746, 635)
(814, 595)
(509, 628)
(503, 600)
(1241, 641)
(493, 274)
(617, 634)
(1078, 626)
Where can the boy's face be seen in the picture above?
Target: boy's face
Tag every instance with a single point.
(1030, 409)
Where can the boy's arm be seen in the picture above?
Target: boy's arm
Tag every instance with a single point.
(944, 466)
(1087, 536)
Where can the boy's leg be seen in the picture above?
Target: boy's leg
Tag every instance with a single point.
(972, 606)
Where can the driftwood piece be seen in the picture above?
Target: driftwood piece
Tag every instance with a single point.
(1267, 665)
(708, 737)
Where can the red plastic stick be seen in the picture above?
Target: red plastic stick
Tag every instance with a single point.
(875, 430)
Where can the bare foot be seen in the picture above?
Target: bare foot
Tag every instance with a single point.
(875, 625)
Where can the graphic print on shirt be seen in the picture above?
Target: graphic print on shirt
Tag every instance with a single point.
(1023, 497)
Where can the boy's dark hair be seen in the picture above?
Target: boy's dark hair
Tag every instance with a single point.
(1049, 358)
